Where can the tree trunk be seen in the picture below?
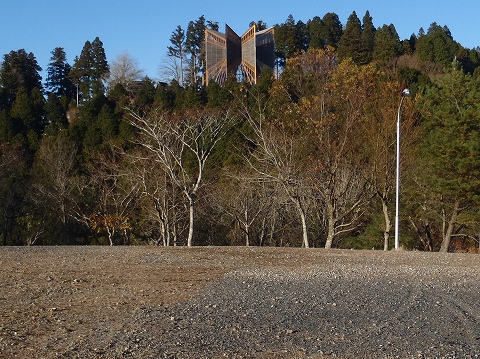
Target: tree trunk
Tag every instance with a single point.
(330, 235)
(331, 225)
(191, 200)
(272, 231)
(174, 235)
(110, 236)
(303, 220)
(451, 223)
(426, 238)
(163, 237)
(304, 229)
(167, 234)
(246, 227)
(388, 224)
(261, 236)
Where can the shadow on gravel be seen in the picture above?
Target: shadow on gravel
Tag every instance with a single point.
(364, 312)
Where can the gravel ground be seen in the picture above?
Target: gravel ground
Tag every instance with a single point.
(236, 302)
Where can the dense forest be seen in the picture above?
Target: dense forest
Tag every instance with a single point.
(99, 154)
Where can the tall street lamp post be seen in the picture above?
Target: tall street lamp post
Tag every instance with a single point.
(405, 93)
(77, 93)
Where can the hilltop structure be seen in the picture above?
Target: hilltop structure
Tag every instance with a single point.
(244, 57)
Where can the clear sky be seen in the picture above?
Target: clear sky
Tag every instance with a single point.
(143, 27)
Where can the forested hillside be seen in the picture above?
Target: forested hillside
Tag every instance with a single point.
(97, 154)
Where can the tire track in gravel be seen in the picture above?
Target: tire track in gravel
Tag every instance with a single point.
(466, 317)
(253, 311)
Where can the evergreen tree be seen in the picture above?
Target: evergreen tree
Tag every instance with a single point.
(22, 104)
(81, 71)
(213, 25)
(474, 56)
(58, 70)
(350, 45)
(7, 127)
(387, 44)
(193, 43)
(177, 49)
(165, 98)
(451, 146)
(333, 29)
(85, 131)
(195, 51)
(265, 81)
(408, 45)
(18, 70)
(91, 69)
(316, 31)
(302, 38)
(214, 95)
(146, 95)
(177, 93)
(100, 69)
(285, 40)
(470, 61)
(368, 39)
(107, 123)
(192, 99)
(437, 45)
(424, 49)
(28, 114)
(260, 25)
(55, 114)
(13, 189)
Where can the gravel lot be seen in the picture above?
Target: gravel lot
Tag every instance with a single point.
(237, 302)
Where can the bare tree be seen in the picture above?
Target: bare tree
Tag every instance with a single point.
(125, 71)
(171, 68)
(341, 191)
(52, 198)
(113, 210)
(246, 201)
(160, 199)
(54, 167)
(276, 159)
(117, 195)
(182, 147)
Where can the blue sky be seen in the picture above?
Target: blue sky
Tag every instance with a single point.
(143, 27)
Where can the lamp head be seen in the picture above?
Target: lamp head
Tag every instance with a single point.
(406, 92)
